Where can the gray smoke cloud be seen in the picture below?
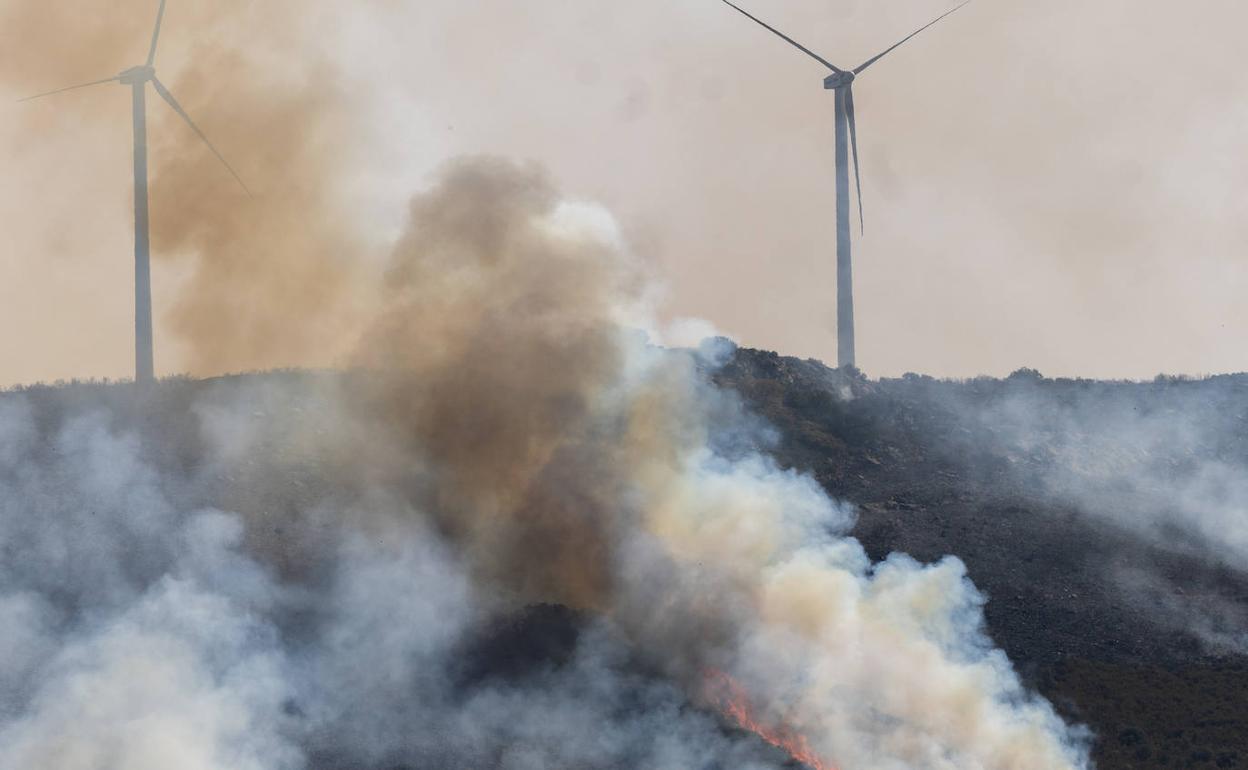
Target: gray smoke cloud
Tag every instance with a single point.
(1164, 461)
(140, 631)
(291, 571)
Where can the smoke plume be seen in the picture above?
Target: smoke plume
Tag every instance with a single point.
(294, 574)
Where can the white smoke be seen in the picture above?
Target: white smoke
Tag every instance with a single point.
(1162, 462)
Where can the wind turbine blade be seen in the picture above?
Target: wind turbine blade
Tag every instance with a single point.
(168, 97)
(71, 88)
(853, 142)
(790, 40)
(160, 16)
(879, 56)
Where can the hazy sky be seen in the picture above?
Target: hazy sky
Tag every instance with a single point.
(1058, 184)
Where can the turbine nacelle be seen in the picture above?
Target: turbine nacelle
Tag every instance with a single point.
(838, 80)
(143, 73)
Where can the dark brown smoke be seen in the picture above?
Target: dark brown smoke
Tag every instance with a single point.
(497, 345)
(271, 275)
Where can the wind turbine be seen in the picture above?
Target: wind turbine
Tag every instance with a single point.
(842, 82)
(138, 78)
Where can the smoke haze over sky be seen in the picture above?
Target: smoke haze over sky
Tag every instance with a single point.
(1058, 185)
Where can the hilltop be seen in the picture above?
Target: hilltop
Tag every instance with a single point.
(1102, 521)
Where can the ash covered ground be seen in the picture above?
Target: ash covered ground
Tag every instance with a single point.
(1102, 522)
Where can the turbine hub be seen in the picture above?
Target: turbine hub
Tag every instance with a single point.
(838, 80)
(140, 74)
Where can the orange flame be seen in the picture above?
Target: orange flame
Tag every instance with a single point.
(731, 698)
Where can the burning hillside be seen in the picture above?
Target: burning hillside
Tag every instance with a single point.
(287, 572)
(1104, 521)
(733, 701)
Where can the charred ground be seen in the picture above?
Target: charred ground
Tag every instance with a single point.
(931, 476)
(930, 479)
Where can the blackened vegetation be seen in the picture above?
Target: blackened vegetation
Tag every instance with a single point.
(930, 478)
(522, 645)
(540, 641)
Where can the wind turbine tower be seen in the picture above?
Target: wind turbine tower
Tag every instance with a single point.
(841, 81)
(138, 78)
